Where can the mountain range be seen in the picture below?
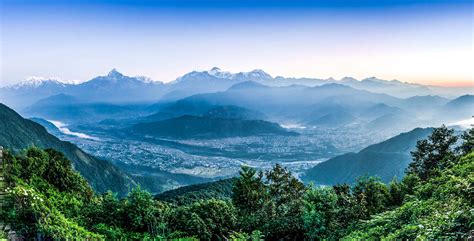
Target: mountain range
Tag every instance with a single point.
(204, 122)
(17, 133)
(327, 105)
(118, 88)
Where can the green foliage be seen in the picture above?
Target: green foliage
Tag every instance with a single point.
(186, 195)
(17, 133)
(348, 210)
(106, 209)
(433, 154)
(468, 142)
(210, 219)
(331, 212)
(396, 190)
(144, 214)
(385, 159)
(31, 212)
(273, 206)
(46, 198)
(441, 208)
(249, 191)
(254, 236)
(320, 212)
(373, 193)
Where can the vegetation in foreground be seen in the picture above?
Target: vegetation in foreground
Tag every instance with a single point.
(47, 198)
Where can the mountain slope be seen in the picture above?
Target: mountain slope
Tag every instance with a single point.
(17, 133)
(427, 101)
(114, 86)
(118, 88)
(461, 102)
(295, 103)
(70, 109)
(205, 127)
(461, 108)
(50, 127)
(386, 159)
(234, 112)
(221, 189)
(31, 90)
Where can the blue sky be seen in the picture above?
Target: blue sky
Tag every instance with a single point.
(428, 42)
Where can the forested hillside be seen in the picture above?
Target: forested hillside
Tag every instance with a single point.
(387, 159)
(17, 133)
(188, 126)
(221, 189)
(46, 198)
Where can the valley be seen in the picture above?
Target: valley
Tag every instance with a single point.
(167, 135)
(236, 120)
(222, 157)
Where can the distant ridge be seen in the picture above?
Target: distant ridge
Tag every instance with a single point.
(387, 159)
(114, 86)
(188, 126)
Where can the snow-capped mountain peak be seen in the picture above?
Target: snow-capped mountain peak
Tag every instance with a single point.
(254, 75)
(217, 72)
(257, 74)
(35, 82)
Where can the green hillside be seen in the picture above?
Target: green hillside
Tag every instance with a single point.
(221, 189)
(17, 133)
(46, 198)
(441, 208)
(386, 160)
(205, 127)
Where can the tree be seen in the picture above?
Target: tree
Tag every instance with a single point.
(209, 219)
(248, 191)
(60, 174)
(283, 187)
(284, 207)
(320, 207)
(433, 154)
(141, 211)
(32, 163)
(106, 209)
(349, 209)
(373, 192)
(51, 166)
(468, 142)
(45, 196)
(396, 192)
(249, 196)
(273, 206)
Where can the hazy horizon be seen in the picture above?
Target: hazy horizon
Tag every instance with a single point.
(426, 42)
(106, 72)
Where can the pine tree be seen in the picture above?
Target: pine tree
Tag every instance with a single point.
(433, 154)
(468, 142)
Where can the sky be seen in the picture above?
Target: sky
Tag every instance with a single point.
(427, 42)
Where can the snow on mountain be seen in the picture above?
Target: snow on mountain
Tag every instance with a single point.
(219, 73)
(255, 75)
(215, 72)
(113, 86)
(147, 80)
(36, 82)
